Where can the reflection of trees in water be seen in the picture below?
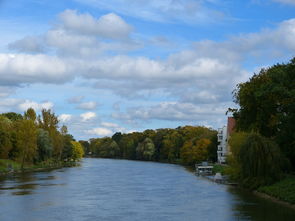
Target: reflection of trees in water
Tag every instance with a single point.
(247, 206)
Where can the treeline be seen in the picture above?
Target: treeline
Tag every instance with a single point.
(264, 146)
(31, 139)
(186, 145)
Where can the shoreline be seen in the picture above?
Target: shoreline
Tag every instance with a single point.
(273, 199)
(38, 169)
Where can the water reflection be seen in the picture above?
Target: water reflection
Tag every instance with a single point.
(251, 207)
(24, 192)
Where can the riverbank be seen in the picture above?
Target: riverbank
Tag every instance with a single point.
(282, 192)
(13, 167)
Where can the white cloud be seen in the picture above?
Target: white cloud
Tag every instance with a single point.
(107, 129)
(24, 68)
(184, 11)
(36, 106)
(99, 131)
(65, 118)
(174, 111)
(91, 105)
(88, 116)
(108, 26)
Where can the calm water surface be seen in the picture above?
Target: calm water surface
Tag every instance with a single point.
(103, 189)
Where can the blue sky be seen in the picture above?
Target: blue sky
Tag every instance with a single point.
(129, 65)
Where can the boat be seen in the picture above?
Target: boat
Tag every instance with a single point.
(204, 169)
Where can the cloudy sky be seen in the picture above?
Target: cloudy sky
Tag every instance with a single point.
(129, 65)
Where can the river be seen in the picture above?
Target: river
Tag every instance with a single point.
(105, 189)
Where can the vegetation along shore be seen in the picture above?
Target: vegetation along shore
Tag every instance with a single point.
(29, 142)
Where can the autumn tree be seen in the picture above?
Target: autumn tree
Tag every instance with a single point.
(77, 151)
(194, 151)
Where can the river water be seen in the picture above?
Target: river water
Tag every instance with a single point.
(105, 189)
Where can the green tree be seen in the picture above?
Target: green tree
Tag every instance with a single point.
(13, 116)
(67, 150)
(145, 150)
(86, 146)
(49, 122)
(6, 127)
(109, 148)
(171, 144)
(260, 161)
(267, 106)
(26, 141)
(127, 147)
(44, 145)
(235, 143)
(30, 114)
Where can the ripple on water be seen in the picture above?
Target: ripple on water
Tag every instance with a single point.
(20, 193)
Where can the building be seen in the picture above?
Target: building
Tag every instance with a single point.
(222, 138)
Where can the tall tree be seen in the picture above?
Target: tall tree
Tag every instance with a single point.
(44, 144)
(26, 141)
(30, 114)
(49, 122)
(267, 105)
(5, 136)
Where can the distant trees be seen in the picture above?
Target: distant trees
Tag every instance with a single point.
(186, 145)
(32, 139)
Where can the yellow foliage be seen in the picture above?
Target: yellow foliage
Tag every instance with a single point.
(195, 151)
(78, 151)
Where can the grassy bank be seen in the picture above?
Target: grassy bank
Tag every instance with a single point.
(283, 190)
(10, 166)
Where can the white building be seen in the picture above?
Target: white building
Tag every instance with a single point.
(222, 144)
(223, 135)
